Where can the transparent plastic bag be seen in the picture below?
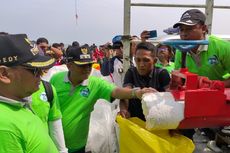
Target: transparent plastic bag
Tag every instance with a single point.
(162, 111)
(102, 136)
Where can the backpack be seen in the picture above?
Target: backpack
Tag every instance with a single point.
(49, 92)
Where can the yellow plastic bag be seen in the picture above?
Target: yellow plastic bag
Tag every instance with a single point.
(134, 138)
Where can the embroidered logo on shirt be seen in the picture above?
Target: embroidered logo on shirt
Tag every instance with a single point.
(85, 92)
(213, 60)
(43, 96)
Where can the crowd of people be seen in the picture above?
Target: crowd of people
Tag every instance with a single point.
(49, 117)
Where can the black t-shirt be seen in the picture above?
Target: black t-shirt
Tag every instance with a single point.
(158, 79)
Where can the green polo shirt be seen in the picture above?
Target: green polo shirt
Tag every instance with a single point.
(21, 131)
(212, 63)
(41, 107)
(226, 76)
(169, 67)
(76, 104)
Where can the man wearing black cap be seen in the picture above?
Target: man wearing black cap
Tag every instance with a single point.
(210, 60)
(78, 92)
(20, 69)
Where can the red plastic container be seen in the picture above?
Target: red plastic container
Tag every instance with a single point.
(206, 101)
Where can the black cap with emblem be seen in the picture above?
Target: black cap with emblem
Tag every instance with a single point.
(18, 50)
(191, 17)
(79, 55)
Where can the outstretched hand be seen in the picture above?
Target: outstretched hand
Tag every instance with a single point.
(140, 92)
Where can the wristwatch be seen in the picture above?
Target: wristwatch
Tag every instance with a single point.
(133, 93)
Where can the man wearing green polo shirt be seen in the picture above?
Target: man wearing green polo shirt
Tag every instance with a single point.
(50, 114)
(20, 69)
(78, 92)
(46, 111)
(210, 60)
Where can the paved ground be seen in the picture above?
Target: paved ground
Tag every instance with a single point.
(201, 145)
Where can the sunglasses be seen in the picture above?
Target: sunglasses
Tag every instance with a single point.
(37, 72)
(85, 65)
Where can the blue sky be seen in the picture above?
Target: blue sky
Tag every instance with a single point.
(98, 20)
